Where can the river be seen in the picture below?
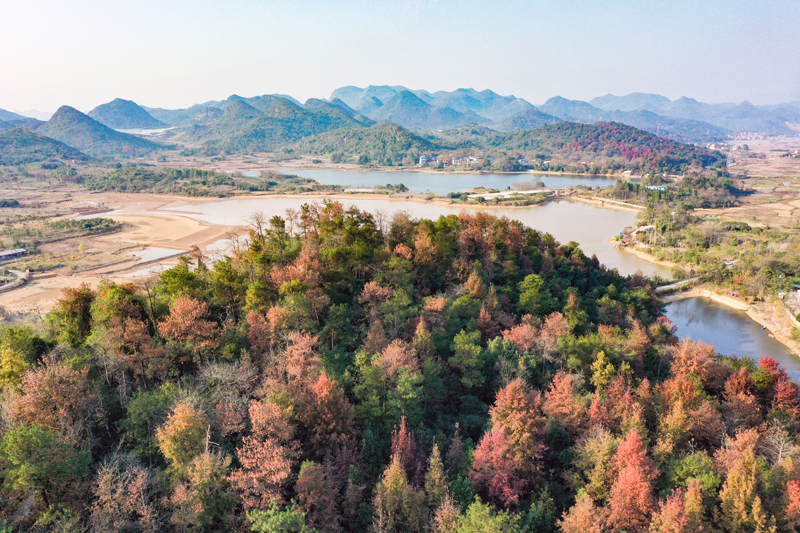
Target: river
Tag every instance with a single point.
(440, 183)
(731, 332)
(567, 220)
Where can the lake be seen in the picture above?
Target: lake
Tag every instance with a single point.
(439, 183)
(588, 225)
(731, 332)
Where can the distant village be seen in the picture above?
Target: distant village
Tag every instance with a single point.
(463, 161)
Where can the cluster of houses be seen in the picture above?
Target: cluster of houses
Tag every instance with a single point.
(456, 161)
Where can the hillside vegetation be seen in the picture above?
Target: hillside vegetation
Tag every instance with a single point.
(565, 146)
(192, 182)
(606, 147)
(124, 115)
(24, 122)
(19, 147)
(245, 128)
(381, 142)
(80, 131)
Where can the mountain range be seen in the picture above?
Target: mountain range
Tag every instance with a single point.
(269, 122)
(781, 119)
(684, 119)
(265, 122)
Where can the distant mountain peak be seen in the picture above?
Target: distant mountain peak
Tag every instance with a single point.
(10, 115)
(407, 97)
(630, 102)
(81, 131)
(241, 108)
(123, 114)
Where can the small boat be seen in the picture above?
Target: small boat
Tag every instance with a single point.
(763, 327)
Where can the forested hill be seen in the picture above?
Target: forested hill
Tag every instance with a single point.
(611, 143)
(384, 138)
(19, 146)
(594, 148)
(124, 115)
(343, 373)
(80, 131)
(243, 127)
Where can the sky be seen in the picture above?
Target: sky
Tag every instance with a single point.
(171, 54)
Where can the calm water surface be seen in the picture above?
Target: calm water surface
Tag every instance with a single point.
(153, 253)
(589, 226)
(731, 332)
(440, 183)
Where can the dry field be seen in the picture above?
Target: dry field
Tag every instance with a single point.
(110, 256)
(774, 179)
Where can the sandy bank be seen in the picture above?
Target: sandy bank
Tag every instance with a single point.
(606, 204)
(772, 315)
(647, 257)
(698, 292)
(169, 231)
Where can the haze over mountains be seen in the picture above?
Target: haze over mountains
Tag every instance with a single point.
(268, 122)
(684, 119)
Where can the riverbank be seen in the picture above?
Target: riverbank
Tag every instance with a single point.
(412, 197)
(698, 292)
(773, 316)
(770, 315)
(609, 204)
(288, 166)
(647, 257)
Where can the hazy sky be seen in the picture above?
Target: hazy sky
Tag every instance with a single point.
(164, 53)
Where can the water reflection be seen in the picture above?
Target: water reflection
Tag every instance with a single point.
(731, 332)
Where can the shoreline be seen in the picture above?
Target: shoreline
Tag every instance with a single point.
(414, 197)
(764, 313)
(697, 292)
(607, 204)
(437, 200)
(426, 170)
(647, 257)
(777, 321)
